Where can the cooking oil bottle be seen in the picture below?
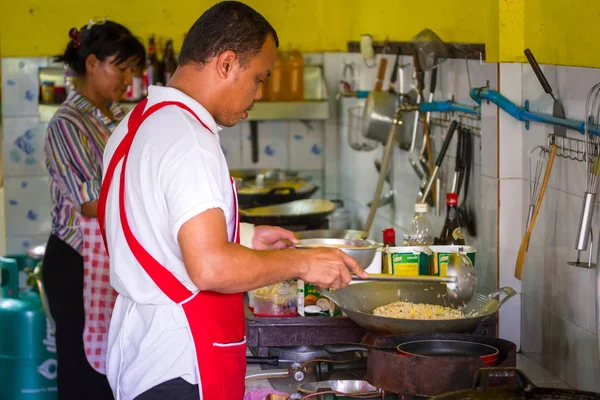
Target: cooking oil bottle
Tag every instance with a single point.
(295, 72)
(276, 83)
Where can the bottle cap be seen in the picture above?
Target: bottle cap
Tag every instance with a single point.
(421, 207)
(451, 199)
(389, 235)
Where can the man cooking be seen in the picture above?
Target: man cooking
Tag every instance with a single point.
(168, 206)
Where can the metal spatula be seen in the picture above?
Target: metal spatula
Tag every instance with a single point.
(557, 109)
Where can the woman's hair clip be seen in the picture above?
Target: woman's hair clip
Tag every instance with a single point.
(75, 36)
(96, 21)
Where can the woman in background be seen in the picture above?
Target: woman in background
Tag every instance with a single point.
(103, 55)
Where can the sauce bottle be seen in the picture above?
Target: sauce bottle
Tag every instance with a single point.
(169, 64)
(452, 232)
(389, 240)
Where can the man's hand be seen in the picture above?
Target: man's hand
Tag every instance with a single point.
(329, 268)
(272, 238)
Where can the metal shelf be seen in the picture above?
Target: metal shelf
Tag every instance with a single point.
(290, 110)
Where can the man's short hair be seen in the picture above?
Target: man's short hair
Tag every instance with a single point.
(228, 25)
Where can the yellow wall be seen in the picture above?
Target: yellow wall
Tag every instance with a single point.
(558, 31)
(40, 27)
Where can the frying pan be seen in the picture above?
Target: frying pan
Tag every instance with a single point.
(449, 348)
(299, 212)
(359, 301)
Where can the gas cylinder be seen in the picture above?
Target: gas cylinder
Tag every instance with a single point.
(27, 347)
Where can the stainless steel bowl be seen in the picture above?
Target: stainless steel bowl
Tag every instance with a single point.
(341, 386)
(332, 234)
(362, 250)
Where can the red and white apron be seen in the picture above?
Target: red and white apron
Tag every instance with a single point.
(98, 296)
(216, 321)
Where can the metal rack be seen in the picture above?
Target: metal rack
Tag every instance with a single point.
(571, 148)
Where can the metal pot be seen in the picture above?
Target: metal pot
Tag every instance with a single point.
(516, 386)
(362, 250)
(378, 116)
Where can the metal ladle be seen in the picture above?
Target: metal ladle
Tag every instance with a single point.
(460, 281)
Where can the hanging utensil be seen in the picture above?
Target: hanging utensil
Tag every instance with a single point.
(539, 156)
(439, 160)
(384, 166)
(557, 108)
(458, 162)
(382, 66)
(394, 78)
(465, 209)
(523, 249)
(254, 140)
(592, 160)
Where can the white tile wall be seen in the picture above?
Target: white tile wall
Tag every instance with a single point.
(358, 176)
(559, 310)
(23, 147)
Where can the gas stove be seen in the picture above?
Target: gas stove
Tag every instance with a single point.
(313, 349)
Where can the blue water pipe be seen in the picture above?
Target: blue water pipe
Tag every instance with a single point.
(448, 106)
(523, 113)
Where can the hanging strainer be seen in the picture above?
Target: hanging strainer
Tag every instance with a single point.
(431, 50)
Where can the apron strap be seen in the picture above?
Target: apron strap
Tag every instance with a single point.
(162, 277)
(132, 126)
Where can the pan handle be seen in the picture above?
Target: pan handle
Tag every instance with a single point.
(344, 348)
(538, 72)
(520, 380)
(508, 291)
(329, 295)
(282, 191)
(274, 361)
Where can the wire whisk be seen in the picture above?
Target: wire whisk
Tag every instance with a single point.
(592, 160)
(538, 155)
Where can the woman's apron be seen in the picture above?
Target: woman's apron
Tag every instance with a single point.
(216, 321)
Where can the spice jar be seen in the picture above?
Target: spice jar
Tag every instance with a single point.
(48, 92)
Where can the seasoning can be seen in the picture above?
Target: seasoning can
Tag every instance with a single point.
(408, 260)
(48, 92)
(441, 255)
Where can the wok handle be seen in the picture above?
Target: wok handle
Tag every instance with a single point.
(282, 191)
(344, 348)
(274, 361)
(397, 278)
(520, 380)
(508, 291)
(330, 295)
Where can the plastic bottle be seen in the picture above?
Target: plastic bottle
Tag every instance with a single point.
(295, 72)
(420, 232)
(275, 84)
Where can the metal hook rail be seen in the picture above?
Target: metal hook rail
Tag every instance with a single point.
(571, 148)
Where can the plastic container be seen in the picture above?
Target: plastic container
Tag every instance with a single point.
(340, 217)
(295, 73)
(275, 85)
(279, 300)
(420, 232)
